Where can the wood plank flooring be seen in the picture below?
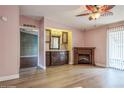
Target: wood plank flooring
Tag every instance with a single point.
(68, 76)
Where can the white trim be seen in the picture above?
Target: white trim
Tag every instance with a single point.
(41, 66)
(70, 63)
(4, 78)
(38, 63)
(107, 49)
(100, 64)
(44, 46)
(34, 30)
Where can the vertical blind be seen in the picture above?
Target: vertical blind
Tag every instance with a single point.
(116, 47)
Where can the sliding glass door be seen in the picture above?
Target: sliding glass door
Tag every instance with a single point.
(116, 47)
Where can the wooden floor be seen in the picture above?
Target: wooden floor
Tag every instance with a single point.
(68, 76)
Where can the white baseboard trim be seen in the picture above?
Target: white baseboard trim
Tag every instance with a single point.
(4, 78)
(100, 64)
(70, 63)
(41, 66)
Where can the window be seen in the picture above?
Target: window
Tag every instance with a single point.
(116, 47)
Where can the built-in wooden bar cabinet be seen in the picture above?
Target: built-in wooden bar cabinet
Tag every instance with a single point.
(54, 58)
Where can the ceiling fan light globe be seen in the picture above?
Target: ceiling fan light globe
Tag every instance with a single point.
(97, 15)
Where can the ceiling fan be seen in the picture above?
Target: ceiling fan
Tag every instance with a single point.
(95, 11)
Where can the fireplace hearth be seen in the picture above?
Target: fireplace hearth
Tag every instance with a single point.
(84, 55)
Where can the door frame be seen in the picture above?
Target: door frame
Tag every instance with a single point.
(36, 30)
(107, 49)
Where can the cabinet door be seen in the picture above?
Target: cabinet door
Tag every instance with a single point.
(55, 58)
(63, 57)
(67, 57)
(59, 58)
(48, 59)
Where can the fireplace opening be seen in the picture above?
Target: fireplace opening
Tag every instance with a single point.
(84, 59)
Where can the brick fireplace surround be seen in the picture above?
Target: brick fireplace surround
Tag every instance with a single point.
(84, 55)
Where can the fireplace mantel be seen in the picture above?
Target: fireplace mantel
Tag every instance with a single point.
(77, 51)
(84, 47)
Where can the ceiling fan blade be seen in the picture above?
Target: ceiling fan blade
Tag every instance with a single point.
(105, 8)
(91, 8)
(83, 14)
(110, 7)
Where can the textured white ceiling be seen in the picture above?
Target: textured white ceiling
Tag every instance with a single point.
(66, 14)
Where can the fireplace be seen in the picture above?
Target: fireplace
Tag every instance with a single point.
(84, 55)
(84, 59)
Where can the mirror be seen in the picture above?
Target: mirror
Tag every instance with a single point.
(55, 42)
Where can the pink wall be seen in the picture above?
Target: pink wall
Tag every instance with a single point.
(9, 41)
(98, 38)
(29, 20)
(77, 36)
